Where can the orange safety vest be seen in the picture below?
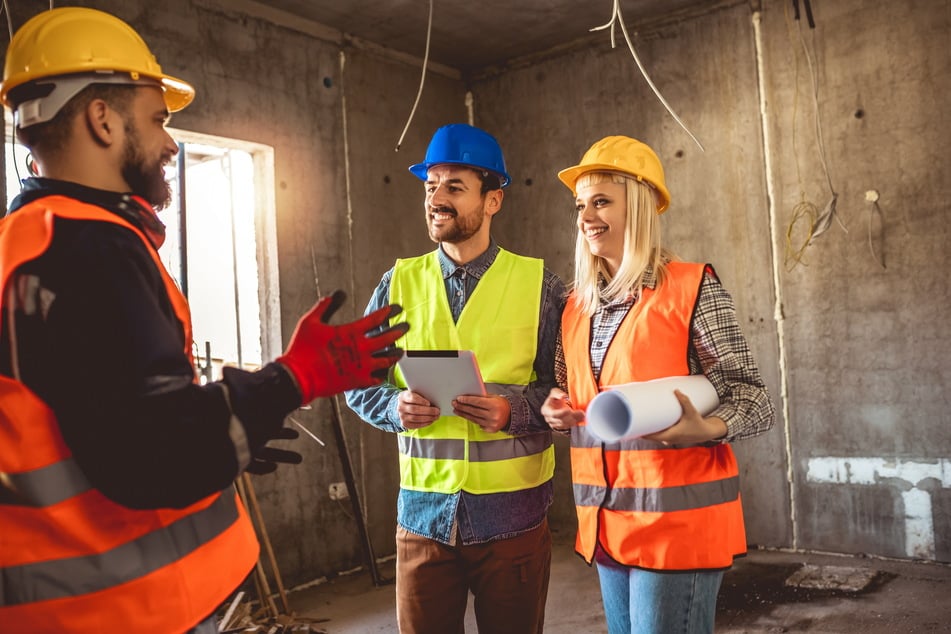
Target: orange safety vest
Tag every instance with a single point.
(646, 505)
(72, 560)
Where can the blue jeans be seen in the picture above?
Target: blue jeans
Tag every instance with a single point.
(645, 602)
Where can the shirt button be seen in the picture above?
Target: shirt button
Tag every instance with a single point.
(597, 344)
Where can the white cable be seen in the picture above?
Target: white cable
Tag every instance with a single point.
(308, 432)
(617, 18)
(829, 212)
(611, 22)
(872, 197)
(470, 111)
(422, 77)
(653, 87)
(346, 174)
(778, 296)
(6, 8)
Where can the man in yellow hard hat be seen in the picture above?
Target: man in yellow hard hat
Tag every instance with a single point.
(116, 505)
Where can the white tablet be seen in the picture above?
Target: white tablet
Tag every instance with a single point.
(442, 375)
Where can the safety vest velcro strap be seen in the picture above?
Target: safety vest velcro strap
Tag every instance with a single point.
(654, 500)
(510, 447)
(63, 578)
(43, 487)
(435, 448)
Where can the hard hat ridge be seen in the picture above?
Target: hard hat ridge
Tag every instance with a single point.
(624, 155)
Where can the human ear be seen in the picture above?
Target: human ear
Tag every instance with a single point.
(101, 121)
(493, 201)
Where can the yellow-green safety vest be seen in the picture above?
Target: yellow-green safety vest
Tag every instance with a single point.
(499, 323)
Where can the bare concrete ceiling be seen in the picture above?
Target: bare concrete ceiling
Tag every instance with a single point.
(472, 35)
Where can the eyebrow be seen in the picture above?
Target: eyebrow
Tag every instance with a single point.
(594, 195)
(449, 181)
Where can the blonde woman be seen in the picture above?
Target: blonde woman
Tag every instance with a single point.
(660, 515)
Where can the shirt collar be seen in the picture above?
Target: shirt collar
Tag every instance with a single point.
(127, 205)
(648, 280)
(475, 268)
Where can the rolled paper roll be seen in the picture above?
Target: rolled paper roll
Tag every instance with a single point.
(632, 410)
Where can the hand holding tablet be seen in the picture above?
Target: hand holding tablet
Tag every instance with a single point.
(442, 375)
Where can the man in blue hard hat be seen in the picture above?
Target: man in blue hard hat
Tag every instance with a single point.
(475, 481)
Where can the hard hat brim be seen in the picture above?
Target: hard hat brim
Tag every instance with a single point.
(570, 175)
(178, 93)
(421, 170)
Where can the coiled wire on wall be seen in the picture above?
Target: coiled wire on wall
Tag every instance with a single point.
(817, 222)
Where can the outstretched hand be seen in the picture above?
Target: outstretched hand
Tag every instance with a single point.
(266, 459)
(558, 412)
(327, 360)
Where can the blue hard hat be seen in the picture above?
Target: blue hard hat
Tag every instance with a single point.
(461, 144)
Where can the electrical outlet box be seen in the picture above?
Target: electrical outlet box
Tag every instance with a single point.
(338, 491)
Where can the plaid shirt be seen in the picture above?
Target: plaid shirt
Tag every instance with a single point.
(718, 350)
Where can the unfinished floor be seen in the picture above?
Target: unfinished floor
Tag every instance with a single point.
(896, 597)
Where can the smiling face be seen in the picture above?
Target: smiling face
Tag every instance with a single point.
(456, 208)
(602, 220)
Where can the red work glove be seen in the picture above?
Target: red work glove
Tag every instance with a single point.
(326, 360)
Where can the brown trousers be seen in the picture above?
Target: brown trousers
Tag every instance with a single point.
(508, 578)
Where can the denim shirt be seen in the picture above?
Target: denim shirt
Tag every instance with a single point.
(466, 517)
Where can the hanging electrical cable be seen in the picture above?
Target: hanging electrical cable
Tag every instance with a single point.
(422, 78)
(871, 197)
(6, 9)
(818, 221)
(617, 19)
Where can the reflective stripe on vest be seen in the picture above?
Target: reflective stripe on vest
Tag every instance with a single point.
(75, 576)
(486, 451)
(500, 324)
(70, 559)
(46, 486)
(664, 508)
(659, 500)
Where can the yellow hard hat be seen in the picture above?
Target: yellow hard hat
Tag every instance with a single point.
(624, 155)
(80, 42)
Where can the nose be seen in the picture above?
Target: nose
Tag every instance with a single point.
(170, 144)
(585, 212)
(437, 197)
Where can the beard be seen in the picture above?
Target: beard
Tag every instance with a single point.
(145, 178)
(460, 229)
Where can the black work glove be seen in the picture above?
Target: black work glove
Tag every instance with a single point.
(266, 459)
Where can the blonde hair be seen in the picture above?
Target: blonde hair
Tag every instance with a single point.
(642, 246)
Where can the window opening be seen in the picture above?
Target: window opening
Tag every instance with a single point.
(220, 244)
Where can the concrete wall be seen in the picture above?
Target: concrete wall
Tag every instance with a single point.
(851, 352)
(549, 113)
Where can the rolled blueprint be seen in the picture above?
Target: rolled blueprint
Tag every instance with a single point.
(632, 410)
